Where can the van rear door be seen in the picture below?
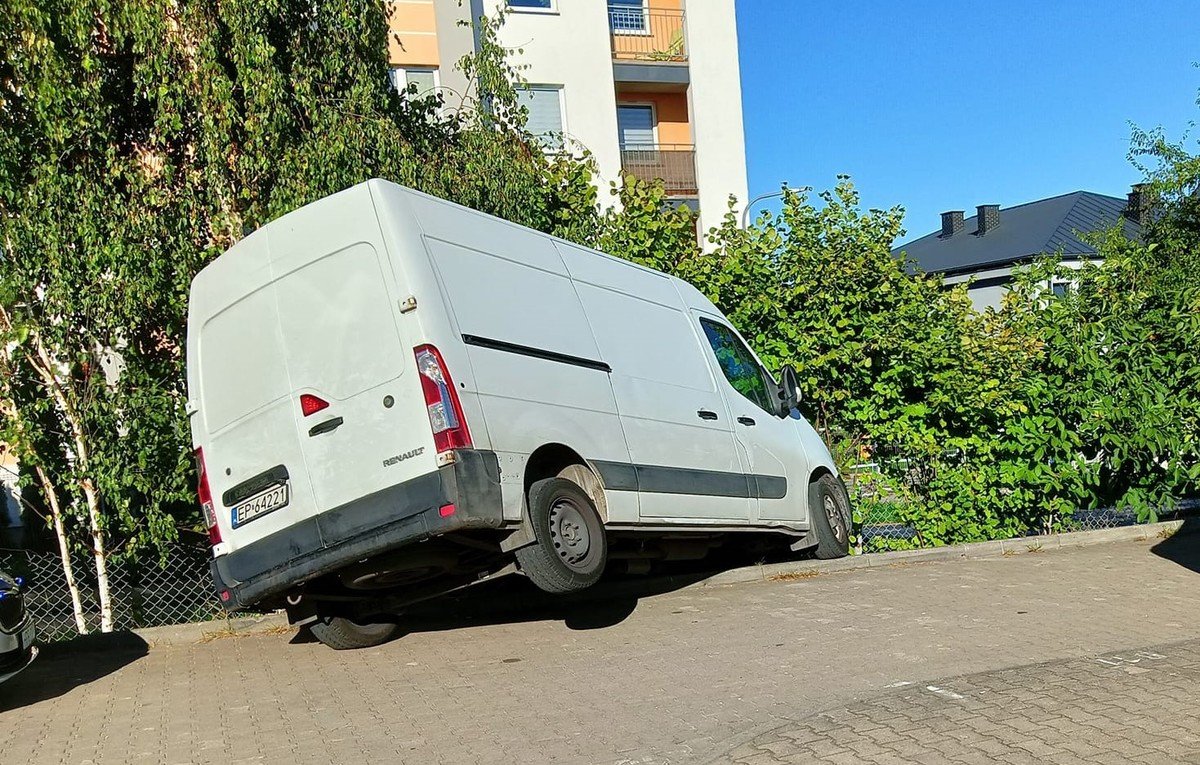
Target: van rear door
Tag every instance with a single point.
(242, 408)
(337, 297)
(319, 324)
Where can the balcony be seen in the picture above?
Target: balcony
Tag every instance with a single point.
(673, 164)
(639, 33)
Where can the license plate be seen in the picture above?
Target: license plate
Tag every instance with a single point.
(259, 505)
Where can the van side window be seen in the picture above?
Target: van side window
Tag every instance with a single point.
(737, 363)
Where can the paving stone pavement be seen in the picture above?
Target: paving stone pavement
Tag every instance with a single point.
(1138, 706)
(721, 673)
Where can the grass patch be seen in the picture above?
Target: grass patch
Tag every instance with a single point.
(792, 576)
(226, 633)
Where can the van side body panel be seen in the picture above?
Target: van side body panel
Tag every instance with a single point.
(660, 389)
(536, 369)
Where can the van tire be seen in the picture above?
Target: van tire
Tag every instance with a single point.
(341, 634)
(829, 505)
(571, 549)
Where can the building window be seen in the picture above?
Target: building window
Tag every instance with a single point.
(635, 126)
(545, 6)
(627, 16)
(1060, 287)
(424, 80)
(543, 105)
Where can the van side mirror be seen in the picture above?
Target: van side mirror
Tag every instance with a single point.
(789, 390)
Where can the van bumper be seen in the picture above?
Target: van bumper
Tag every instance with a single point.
(399, 515)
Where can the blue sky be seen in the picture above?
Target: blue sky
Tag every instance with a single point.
(946, 105)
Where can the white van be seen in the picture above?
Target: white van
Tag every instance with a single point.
(392, 396)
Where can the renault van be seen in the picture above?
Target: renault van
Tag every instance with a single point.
(392, 396)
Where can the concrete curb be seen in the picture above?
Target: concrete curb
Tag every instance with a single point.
(975, 550)
(186, 634)
(196, 632)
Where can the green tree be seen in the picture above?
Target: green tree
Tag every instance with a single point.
(138, 139)
(1172, 172)
(645, 227)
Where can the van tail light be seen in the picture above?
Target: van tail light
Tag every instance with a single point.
(205, 497)
(310, 404)
(441, 401)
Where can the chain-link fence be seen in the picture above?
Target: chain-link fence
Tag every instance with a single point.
(880, 526)
(880, 515)
(175, 590)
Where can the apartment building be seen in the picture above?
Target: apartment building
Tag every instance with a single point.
(650, 87)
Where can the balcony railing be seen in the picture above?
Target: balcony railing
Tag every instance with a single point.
(673, 164)
(646, 34)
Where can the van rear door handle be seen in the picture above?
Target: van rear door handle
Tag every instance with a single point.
(706, 415)
(324, 427)
(746, 420)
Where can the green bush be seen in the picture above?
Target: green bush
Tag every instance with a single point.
(984, 425)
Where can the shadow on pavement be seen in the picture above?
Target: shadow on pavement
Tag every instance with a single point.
(62, 667)
(1182, 547)
(514, 600)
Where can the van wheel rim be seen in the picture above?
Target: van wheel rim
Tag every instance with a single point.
(837, 524)
(570, 533)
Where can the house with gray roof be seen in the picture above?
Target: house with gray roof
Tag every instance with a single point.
(985, 248)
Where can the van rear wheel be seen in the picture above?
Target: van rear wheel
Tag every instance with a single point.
(340, 633)
(829, 506)
(571, 548)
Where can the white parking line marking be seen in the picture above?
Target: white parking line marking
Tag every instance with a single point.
(944, 692)
(1123, 661)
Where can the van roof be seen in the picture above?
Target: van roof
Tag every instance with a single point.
(254, 243)
(692, 296)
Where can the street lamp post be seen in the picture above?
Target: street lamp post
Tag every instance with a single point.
(759, 198)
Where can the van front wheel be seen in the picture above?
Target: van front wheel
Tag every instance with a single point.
(571, 549)
(829, 506)
(340, 633)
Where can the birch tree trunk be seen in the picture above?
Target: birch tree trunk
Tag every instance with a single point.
(101, 555)
(64, 550)
(48, 368)
(50, 493)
